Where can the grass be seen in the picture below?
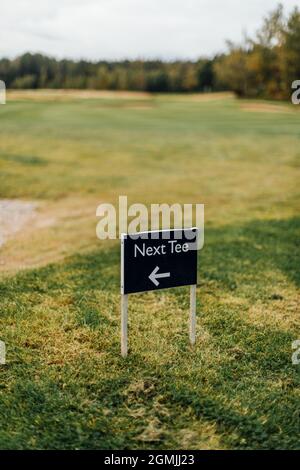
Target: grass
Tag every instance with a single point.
(65, 385)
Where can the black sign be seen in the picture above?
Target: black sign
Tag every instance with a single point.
(158, 260)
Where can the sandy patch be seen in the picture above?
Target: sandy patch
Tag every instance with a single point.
(266, 108)
(65, 95)
(14, 215)
(62, 95)
(53, 231)
(201, 97)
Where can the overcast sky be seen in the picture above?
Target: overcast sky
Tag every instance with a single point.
(116, 29)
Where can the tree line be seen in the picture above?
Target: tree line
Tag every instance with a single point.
(263, 66)
(39, 71)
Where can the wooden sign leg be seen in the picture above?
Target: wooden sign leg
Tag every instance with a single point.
(124, 321)
(2, 352)
(193, 314)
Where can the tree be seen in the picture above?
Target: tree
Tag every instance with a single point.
(290, 58)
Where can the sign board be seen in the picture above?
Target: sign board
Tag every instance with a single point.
(158, 260)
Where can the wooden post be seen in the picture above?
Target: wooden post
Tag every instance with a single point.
(124, 321)
(193, 314)
(2, 352)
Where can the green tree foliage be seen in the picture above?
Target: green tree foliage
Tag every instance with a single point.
(38, 71)
(264, 66)
(290, 60)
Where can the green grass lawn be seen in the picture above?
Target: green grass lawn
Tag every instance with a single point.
(65, 385)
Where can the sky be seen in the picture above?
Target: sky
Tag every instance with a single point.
(118, 29)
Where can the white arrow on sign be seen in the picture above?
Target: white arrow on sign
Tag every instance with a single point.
(154, 276)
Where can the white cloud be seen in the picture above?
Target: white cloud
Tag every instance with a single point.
(114, 29)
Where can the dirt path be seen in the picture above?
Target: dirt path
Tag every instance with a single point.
(33, 234)
(14, 215)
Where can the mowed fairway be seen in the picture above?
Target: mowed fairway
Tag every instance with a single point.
(65, 385)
